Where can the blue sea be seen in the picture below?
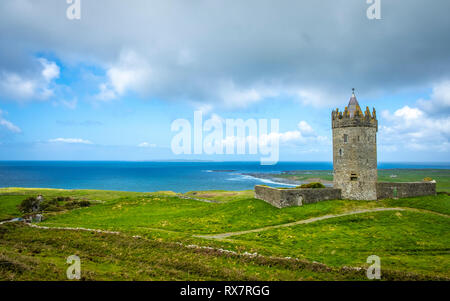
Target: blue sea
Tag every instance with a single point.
(156, 176)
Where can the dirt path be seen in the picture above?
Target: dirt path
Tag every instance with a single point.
(305, 221)
(425, 211)
(225, 235)
(229, 234)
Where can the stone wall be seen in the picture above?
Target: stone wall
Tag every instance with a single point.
(387, 190)
(282, 198)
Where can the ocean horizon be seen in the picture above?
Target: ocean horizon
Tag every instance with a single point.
(148, 176)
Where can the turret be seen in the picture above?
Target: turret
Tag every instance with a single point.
(353, 116)
(355, 151)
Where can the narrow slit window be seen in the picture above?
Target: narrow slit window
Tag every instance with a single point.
(353, 177)
(345, 137)
(340, 152)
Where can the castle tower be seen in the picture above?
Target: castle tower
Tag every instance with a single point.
(355, 151)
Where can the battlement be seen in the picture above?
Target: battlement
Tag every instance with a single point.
(354, 119)
(353, 116)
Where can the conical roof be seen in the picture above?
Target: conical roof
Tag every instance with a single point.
(353, 105)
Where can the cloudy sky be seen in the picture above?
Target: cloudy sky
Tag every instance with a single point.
(108, 86)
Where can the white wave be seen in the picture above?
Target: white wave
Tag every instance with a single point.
(267, 181)
(240, 177)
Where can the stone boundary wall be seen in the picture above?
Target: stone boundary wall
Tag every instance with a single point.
(386, 190)
(282, 198)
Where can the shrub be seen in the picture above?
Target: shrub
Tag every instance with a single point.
(50, 205)
(26, 206)
(84, 203)
(427, 179)
(55, 204)
(312, 185)
(63, 199)
(77, 204)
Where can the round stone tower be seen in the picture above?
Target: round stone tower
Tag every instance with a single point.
(355, 151)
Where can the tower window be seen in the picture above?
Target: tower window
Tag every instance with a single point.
(340, 152)
(358, 138)
(353, 177)
(345, 137)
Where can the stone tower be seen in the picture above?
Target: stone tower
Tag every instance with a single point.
(355, 151)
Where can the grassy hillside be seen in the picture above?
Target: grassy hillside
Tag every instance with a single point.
(32, 254)
(412, 243)
(403, 240)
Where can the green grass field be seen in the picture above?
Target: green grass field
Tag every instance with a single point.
(157, 228)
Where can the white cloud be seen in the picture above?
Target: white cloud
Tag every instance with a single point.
(304, 137)
(235, 97)
(280, 50)
(410, 128)
(409, 114)
(439, 102)
(70, 141)
(304, 134)
(50, 71)
(291, 136)
(130, 73)
(25, 87)
(305, 128)
(309, 97)
(106, 93)
(16, 86)
(8, 124)
(146, 145)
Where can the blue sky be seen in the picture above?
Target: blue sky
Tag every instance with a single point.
(108, 86)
